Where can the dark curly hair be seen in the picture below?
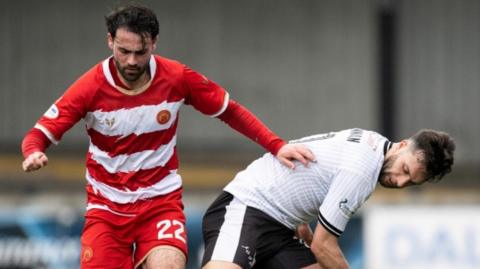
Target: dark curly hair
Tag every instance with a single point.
(437, 148)
(136, 18)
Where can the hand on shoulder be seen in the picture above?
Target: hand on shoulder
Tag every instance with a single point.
(291, 152)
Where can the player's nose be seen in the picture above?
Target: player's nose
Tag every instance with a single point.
(132, 59)
(403, 181)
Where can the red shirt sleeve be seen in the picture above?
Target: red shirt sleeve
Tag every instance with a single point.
(62, 115)
(211, 99)
(70, 107)
(242, 120)
(34, 141)
(203, 94)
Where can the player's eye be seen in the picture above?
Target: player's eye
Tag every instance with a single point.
(405, 169)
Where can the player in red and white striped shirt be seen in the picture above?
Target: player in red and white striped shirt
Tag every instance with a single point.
(130, 103)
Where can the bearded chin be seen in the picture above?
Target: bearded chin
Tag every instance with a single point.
(130, 77)
(387, 164)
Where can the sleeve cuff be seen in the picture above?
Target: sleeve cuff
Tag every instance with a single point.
(332, 229)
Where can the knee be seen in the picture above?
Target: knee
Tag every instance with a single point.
(221, 265)
(165, 258)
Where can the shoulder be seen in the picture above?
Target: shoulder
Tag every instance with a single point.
(88, 84)
(95, 76)
(362, 151)
(168, 65)
(364, 141)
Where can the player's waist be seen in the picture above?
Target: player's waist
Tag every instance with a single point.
(266, 205)
(167, 184)
(97, 204)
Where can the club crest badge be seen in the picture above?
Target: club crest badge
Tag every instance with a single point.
(87, 254)
(163, 116)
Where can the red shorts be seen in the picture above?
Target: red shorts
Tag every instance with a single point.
(121, 236)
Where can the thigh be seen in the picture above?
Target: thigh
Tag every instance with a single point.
(228, 235)
(165, 257)
(293, 254)
(221, 265)
(162, 225)
(104, 247)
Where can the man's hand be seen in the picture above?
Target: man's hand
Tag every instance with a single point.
(305, 233)
(34, 161)
(290, 152)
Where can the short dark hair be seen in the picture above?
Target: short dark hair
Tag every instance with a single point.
(437, 148)
(136, 18)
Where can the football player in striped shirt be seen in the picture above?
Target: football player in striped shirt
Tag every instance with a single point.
(258, 218)
(130, 104)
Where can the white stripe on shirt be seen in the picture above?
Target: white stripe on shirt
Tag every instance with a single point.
(47, 133)
(171, 182)
(137, 120)
(226, 99)
(142, 160)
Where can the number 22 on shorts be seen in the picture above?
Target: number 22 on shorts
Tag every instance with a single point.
(164, 225)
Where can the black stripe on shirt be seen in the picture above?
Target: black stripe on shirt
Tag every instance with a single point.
(332, 229)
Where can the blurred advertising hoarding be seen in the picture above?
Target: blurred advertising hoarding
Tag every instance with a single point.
(40, 237)
(419, 237)
(47, 236)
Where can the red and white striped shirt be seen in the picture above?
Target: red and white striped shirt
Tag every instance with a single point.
(132, 154)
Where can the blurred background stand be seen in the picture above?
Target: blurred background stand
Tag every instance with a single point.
(303, 67)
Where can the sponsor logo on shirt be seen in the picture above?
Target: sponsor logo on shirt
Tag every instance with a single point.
(343, 205)
(52, 112)
(163, 116)
(110, 122)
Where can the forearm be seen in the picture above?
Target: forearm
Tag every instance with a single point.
(34, 141)
(243, 121)
(330, 258)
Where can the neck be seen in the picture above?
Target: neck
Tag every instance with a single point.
(390, 149)
(140, 82)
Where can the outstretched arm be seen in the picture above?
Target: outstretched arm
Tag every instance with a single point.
(242, 120)
(326, 250)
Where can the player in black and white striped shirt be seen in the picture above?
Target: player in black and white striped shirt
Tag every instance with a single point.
(253, 223)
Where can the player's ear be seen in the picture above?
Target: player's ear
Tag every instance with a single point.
(110, 41)
(154, 43)
(403, 143)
